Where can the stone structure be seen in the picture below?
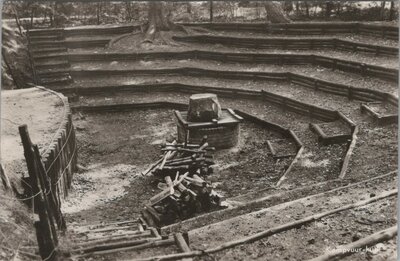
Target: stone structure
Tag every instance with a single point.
(206, 118)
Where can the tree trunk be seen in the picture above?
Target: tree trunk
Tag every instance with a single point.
(329, 7)
(307, 9)
(391, 13)
(98, 10)
(275, 13)
(211, 11)
(382, 14)
(288, 6)
(128, 11)
(32, 15)
(338, 9)
(158, 20)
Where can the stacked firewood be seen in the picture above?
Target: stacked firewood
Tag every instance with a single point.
(182, 173)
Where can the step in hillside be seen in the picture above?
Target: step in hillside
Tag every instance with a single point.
(254, 222)
(43, 32)
(56, 79)
(37, 52)
(52, 37)
(258, 200)
(53, 64)
(48, 44)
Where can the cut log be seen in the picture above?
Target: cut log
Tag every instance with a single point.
(203, 107)
(160, 196)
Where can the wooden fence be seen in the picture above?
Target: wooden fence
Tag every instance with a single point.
(44, 202)
(291, 43)
(50, 176)
(85, 31)
(307, 28)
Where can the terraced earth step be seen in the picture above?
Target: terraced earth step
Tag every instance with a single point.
(261, 199)
(37, 32)
(48, 44)
(52, 65)
(44, 38)
(53, 72)
(38, 52)
(56, 80)
(256, 221)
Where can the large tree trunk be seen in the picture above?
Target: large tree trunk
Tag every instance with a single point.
(158, 20)
(275, 13)
(391, 13)
(328, 10)
(307, 9)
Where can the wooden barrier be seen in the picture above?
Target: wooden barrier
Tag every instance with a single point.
(50, 176)
(307, 28)
(309, 82)
(42, 197)
(290, 43)
(264, 58)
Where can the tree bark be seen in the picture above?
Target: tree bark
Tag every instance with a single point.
(158, 20)
(275, 13)
(211, 11)
(391, 13)
(329, 7)
(382, 14)
(98, 10)
(307, 9)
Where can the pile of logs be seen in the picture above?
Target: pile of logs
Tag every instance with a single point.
(181, 173)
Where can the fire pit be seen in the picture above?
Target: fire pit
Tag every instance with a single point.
(206, 118)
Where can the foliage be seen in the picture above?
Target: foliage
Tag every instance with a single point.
(16, 69)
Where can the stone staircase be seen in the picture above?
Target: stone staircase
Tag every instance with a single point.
(46, 48)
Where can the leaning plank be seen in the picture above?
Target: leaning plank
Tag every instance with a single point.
(274, 230)
(158, 243)
(368, 241)
(349, 152)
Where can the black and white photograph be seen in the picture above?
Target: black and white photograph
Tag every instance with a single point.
(199, 130)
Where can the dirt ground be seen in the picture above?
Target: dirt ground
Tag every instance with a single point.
(114, 184)
(40, 110)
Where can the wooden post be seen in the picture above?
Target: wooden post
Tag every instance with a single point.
(28, 153)
(46, 234)
(47, 213)
(54, 208)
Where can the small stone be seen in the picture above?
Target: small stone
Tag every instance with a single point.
(356, 237)
(311, 241)
(372, 195)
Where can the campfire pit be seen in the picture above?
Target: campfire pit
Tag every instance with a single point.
(206, 118)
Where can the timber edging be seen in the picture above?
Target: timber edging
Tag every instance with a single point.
(60, 156)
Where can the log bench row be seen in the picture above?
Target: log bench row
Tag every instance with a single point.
(367, 70)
